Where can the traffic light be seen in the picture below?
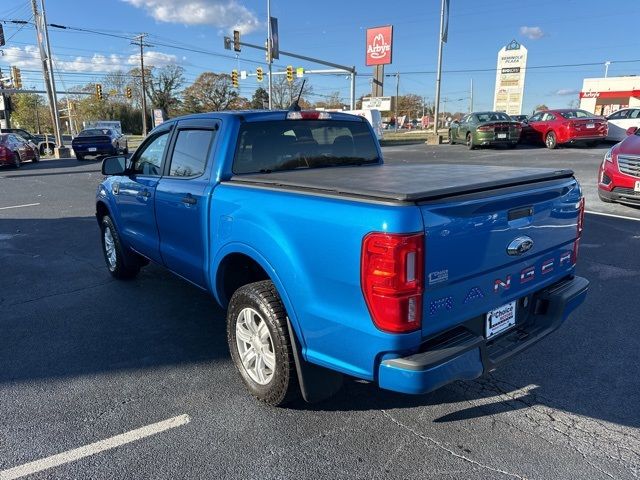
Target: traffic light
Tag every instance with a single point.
(236, 40)
(234, 78)
(259, 74)
(1, 36)
(99, 91)
(267, 53)
(289, 73)
(128, 93)
(16, 77)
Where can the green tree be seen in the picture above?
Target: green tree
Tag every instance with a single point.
(29, 111)
(260, 99)
(210, 92)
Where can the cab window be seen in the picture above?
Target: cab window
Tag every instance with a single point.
(191, 152)
(148, 159)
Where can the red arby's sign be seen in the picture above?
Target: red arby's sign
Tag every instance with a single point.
(379, 41)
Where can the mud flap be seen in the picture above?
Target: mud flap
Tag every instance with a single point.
(316, 383)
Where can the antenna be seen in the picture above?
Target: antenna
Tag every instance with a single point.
(295, 107)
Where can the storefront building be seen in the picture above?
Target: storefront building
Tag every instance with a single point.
(604, 96)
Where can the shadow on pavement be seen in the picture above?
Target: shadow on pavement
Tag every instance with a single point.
(63, 315)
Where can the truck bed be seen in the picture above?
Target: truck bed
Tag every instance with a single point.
(400, 182)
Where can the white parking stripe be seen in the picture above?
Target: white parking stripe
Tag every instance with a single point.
(20, 206)
(93, 448)
(612, 215)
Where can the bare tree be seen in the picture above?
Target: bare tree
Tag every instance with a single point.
(283, 92)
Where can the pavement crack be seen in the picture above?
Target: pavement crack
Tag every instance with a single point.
(67, 292)
(450, 451)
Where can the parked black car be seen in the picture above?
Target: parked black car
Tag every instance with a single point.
(98, 142)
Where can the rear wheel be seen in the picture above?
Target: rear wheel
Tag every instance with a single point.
(36, 156)
(511, 145)
(46, 149)
(260, 345)
(17, 161)
(469, 141)
(113, 251)
(79, 157)
(551, 141)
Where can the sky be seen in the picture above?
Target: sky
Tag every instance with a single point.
(556, 33)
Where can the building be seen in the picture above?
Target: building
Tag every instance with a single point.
(603, 96)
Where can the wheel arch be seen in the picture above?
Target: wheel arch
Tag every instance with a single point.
(238, 264)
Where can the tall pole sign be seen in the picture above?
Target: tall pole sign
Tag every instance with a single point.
(379, 50)
(510, 72)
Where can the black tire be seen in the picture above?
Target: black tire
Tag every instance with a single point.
(263, 298)
(469, 141)
(551, 140)
(36, 157)
(592, 143)
(119, 269)
(17, 161)
(512, 145)
(79, 157)
(46, 148)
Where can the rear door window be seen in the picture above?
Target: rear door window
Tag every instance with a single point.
(190, 153)
(271, 146)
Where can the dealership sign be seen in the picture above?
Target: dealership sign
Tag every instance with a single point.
(379, 45)
(377, 103)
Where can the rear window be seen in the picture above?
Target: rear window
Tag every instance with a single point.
(265, 147)
(576, 114)
(493, 117)
(92, 132)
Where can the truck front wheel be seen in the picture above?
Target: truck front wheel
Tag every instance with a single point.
(113, 253)
(260, 345)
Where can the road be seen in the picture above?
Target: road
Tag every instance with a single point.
(85, 358)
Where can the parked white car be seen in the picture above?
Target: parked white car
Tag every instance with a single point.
(621, 120)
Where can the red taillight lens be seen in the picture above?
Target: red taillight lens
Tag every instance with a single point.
(485, 128)
(3, 151)
(392, 280)
(576, 244)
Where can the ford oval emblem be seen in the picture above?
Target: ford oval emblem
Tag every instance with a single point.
(520, 245)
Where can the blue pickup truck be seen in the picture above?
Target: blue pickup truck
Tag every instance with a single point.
(331, 263)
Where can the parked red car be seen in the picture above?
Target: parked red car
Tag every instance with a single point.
(14, 150)
(619, 175)
(557, 127)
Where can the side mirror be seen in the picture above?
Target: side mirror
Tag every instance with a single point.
(632, 130)
(114, 165)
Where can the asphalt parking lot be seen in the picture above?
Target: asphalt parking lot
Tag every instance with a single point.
(108, 379)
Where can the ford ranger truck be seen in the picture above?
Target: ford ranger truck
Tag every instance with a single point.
(331, 263)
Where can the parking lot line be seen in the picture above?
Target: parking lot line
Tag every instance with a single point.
(93, 448)
(612, 215)
(20, 206)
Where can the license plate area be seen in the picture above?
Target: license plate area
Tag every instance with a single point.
(500, 320)
(92, 149)
(591, 125)
(636, 187)
(501, 135)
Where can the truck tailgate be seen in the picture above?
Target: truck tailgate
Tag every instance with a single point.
(468, 270)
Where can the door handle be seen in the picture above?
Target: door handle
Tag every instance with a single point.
(189, 200)
(144, 193)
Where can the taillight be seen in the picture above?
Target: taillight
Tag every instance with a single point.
(3, 151)
(576, 243)
(518, 126)
(391, 272)
(485, 128)
(308, 115)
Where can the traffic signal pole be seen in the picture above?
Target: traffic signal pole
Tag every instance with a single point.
(140, 39)
(269, 50)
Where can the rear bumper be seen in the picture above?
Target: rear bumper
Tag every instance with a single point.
(100, 150)
(464, 353)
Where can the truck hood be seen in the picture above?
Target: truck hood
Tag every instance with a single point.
(401, 182)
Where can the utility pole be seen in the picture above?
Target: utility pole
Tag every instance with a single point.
(47, 70)
(471, 98)
(441, 41)
(269, 50)
(140, 41)
(397, 97)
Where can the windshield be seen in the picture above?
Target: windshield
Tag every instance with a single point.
(265, 147)
(92, 132)
(576, 114)
(493, 117)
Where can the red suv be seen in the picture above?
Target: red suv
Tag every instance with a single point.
(619, 175)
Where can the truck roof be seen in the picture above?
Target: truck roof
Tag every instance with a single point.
(262, 115)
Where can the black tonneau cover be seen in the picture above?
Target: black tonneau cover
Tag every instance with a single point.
(402, 182)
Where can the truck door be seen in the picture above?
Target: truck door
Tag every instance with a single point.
(135, 195)
(181, 206)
